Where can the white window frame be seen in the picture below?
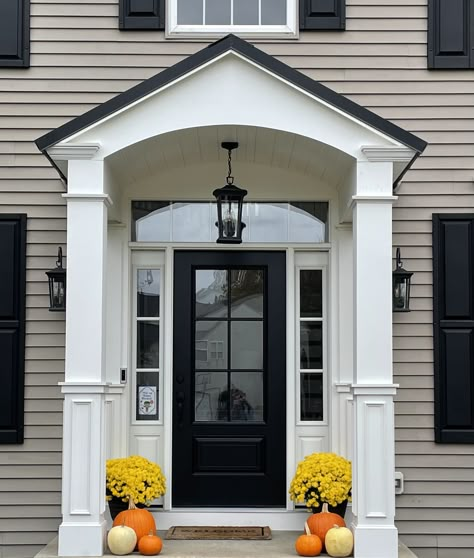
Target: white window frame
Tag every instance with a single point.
(289, 31)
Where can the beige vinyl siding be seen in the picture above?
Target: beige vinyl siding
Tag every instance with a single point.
(79, 59)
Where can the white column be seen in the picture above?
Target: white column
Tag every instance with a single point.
(82, 531)
(373, 444)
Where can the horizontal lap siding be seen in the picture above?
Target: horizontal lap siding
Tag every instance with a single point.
(78, 60)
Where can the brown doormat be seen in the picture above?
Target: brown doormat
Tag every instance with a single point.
(219, 533)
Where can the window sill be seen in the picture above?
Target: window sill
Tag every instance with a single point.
(244, 31)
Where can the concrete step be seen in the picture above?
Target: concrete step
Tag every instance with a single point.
(282, 545)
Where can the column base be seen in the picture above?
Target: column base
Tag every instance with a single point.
(375, 542)
(82, 539)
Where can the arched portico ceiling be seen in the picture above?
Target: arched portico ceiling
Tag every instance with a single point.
(230, 83)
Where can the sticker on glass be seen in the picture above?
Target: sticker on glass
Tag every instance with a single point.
(147, 400)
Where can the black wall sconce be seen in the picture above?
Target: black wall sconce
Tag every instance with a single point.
(229, 205)
(57, 285)
(401, 286)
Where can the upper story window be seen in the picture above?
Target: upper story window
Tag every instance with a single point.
(216, 17)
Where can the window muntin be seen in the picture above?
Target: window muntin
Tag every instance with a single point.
(298, 222)
(246, 17)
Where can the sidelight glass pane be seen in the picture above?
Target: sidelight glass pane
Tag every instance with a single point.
(211, 293)
(274, 12)
(246, 396)
(245, 12)
(147, 395)
(218, 12)
(211, 345)
(311, 345)
(148, 344)
(148, 293)
(247, 345)
(210, 399)
(311, 389)
(246, 288)
(311, 293)
(190, 12)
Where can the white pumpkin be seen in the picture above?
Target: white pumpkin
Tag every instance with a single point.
(339, 541)
(121, 540)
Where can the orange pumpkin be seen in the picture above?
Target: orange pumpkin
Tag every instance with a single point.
(140, 520)
(320, 523)
(308, 545)
(150, 545)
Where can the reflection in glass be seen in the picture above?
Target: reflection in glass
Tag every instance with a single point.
(247, 345)
(147, 396)
(148, 293)
(218, 12)
(268, 222)
(191, 221)
(211, 345)
(246, 401)
(311, 293)
(274, 12)
(311, 396)
(246, 290)
(190, 12)
(211, 293)
(152, 221)
(246, 12)
(208, 403)
(311, 345)
(308, 222)
(148, 344)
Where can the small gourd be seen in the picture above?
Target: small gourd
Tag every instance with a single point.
(150, 545)
(320, 523)
(308, 545)
(339, 541)
(121, 540)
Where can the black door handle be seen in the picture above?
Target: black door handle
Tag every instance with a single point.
(180, 397)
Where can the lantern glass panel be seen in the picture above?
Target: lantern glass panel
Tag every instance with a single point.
(57, 293)
(400, 293)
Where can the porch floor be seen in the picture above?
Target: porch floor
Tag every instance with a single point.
(280, 546)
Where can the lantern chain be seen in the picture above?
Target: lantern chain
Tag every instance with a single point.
(230, 178)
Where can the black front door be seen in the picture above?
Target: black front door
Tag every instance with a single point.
(229, 419)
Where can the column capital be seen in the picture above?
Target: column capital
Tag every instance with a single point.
(383, 153)
(74, 152)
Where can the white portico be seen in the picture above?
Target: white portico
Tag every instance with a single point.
(320, 146)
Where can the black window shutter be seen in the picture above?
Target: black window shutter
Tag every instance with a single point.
(323, 14)
(450, 34)
(15, 33)
(142, 14)
(12, 326)
(453, 321)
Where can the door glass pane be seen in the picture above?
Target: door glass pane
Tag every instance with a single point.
(147, 395)
(211, 345)
(247, 345)
(190, 12)
(246, 293)
(311, 293)
(148, 344)
(148, 293)
(246, 396)
(218, 12)
(209, 403)
(311, 345)
(245, 12)
(311, 396)
(273, 12)
(211, 293)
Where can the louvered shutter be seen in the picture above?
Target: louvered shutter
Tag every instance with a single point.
(12, 326)
(453, 318)
(15, 33)
(322, 14)
(450, 34)
(142, 14)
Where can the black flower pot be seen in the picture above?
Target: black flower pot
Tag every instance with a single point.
(340, 509)
(116, 506)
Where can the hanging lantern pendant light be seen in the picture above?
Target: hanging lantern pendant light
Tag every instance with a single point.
(229, 205)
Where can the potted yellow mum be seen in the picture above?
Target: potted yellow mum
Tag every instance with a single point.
(322, 478)
(132, 478)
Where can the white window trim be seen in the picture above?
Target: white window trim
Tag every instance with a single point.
(288, 31)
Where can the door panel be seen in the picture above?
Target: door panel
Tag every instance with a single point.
(229, 417)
